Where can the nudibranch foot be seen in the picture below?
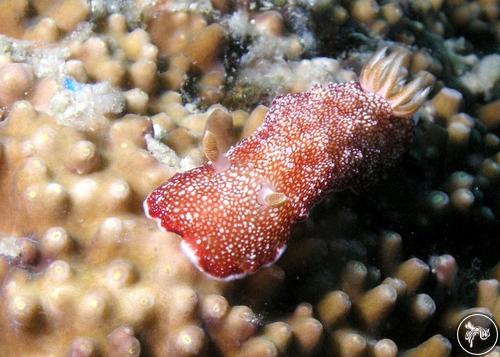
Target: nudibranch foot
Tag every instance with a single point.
(386, 76)
(194, 258)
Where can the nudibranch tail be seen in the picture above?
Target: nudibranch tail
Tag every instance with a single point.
(386, 76)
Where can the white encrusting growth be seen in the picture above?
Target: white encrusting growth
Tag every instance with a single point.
(9, 247)
(483, 76)
(271, 63)
(85, 105)
(167, 156)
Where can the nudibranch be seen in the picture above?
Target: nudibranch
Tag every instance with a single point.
(235, 213)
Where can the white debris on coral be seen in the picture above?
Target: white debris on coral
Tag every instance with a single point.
(15, 49)
(322, 70)
(271, 65)
(187, 163)
(264, 45)
(166, 155)
(162, 152)
(47, 61)
(10, 248)
(132, 10)
(79, 106)
(283, 76)
(82, 32)
(483, 76)
(83, 105)
(239, 25)
(314, 3)
(188, 5)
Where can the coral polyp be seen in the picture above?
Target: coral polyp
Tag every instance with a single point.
(235, 213)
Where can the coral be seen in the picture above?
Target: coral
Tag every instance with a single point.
(447, 102)
(84, 273)
(16, 81)
(92, 271)
(192, 44)
(18, 249)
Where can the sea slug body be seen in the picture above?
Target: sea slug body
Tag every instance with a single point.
(235, 212)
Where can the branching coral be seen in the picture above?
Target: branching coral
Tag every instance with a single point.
(84, 273)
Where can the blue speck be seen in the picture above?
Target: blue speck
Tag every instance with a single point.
(71, 84)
